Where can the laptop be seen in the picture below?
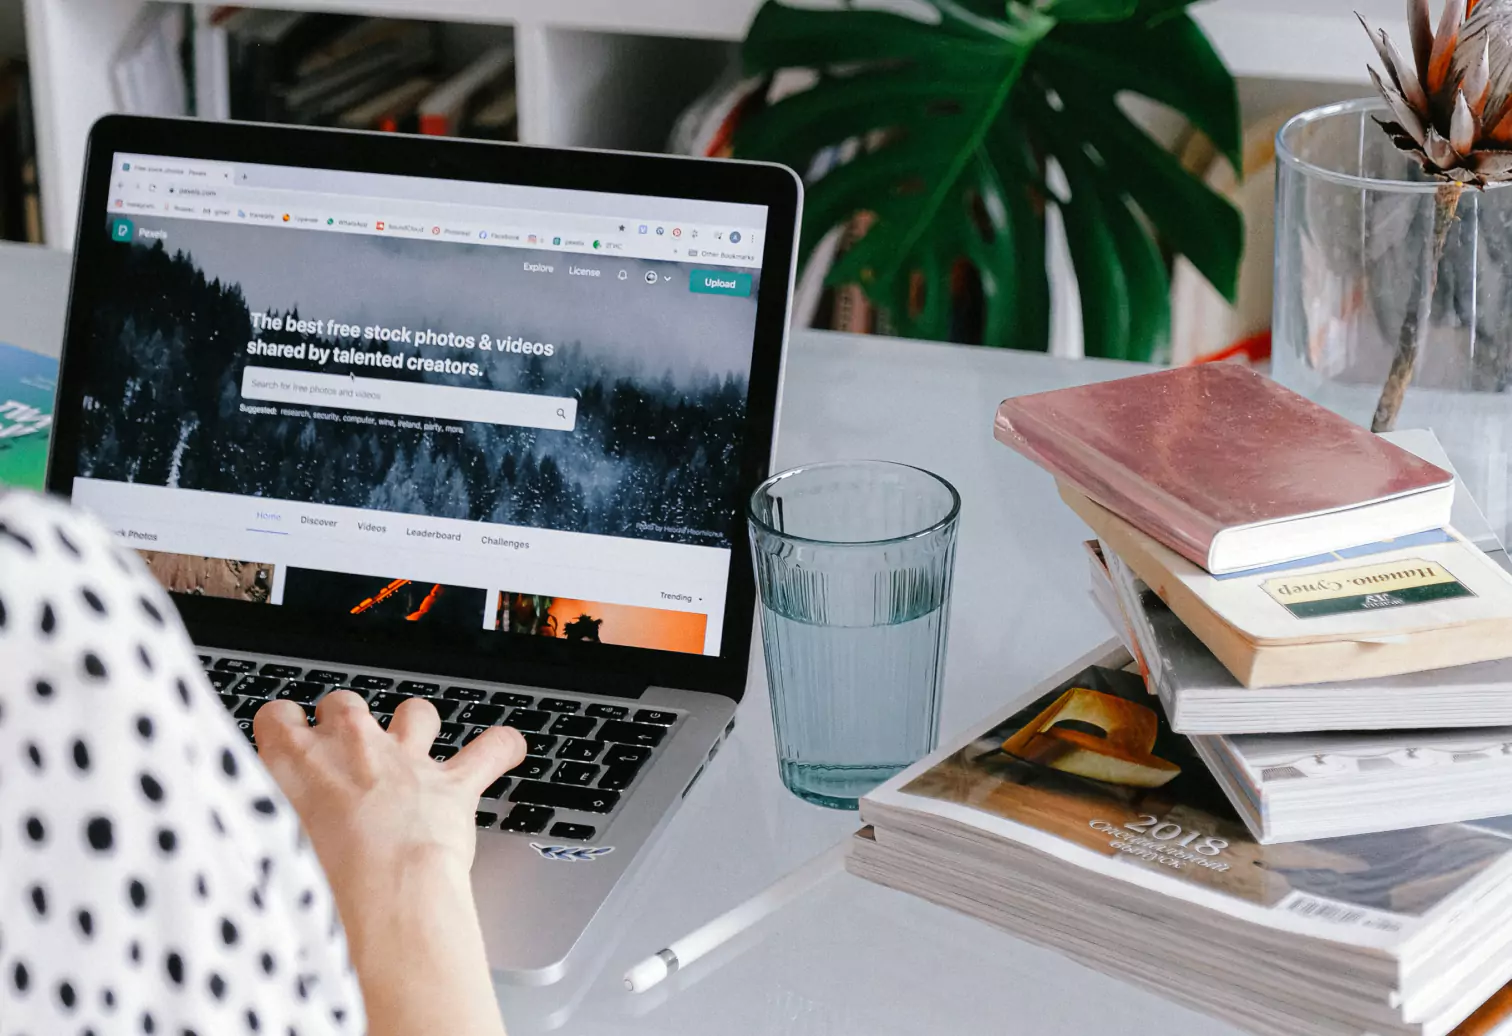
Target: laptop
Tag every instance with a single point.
(463, 420)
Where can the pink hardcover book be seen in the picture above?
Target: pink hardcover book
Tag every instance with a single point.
(1226, 467)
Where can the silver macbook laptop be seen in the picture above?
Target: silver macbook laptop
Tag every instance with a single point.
(468, 421)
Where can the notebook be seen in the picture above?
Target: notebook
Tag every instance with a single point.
(1225, 467)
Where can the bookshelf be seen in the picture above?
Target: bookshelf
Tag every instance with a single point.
(607, 73)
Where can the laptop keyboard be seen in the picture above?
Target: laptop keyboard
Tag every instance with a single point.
(583, 755)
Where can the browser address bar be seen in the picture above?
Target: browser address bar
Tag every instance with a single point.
(409, 398)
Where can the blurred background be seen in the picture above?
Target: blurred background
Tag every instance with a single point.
(653, 75)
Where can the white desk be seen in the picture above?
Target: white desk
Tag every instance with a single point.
(852, 958)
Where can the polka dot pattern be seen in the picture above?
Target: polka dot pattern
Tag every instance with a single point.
(152, 877)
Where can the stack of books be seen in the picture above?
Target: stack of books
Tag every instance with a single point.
(1282, 799)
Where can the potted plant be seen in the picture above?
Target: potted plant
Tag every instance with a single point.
(1394, 245)
(970, 126)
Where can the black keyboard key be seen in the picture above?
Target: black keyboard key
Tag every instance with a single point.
(245, 726)
(481, 714)
(230, 701)
(443, 708)
(533, 766)
(486, 820)
(248, 708)
(309, 711)
(325, 676)
(450, 734)
(370, 683)
(384, 719)
(387, 701)
(527, 719)
(633, 754)
(418, 687)
(205, 661)
(539, 744)
(631, 733)
(571, 832)
(473, 733)
(664, 719)
(220, 681)
(308, 688)
(236, 665)
(497, 789)
(580, 774)
(465, 694)
(283, 672)
(618, 778)
(559, 705)
(260, 686)
(301, 691)
(604, 712)
(441, 753)
(580, 750)
(509, 699)
(527, 820)
(573, 726)
(565, 796)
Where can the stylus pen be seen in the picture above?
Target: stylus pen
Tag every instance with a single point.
(730, 924)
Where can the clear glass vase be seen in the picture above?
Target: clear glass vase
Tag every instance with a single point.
(1359, 296)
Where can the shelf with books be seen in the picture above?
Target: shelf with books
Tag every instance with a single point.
(591, 72)
(558, 84)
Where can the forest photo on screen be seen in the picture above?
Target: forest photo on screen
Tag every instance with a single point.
(659, 375)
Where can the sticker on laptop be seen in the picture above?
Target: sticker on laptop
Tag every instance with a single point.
(572, 853)
(1367, 588)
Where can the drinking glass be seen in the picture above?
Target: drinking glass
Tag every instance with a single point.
(853, 563)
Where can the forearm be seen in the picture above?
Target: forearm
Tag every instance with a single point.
(418, 951)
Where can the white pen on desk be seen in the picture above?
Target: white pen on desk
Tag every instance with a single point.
(726, 926)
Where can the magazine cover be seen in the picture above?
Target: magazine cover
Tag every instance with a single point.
(1091, 772)
(27, 384)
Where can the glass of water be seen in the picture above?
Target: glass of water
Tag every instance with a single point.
(853, 562)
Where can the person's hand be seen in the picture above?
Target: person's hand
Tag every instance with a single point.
(374, 799)
(394, 830)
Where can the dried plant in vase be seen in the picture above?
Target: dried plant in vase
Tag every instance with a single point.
(1453, 114)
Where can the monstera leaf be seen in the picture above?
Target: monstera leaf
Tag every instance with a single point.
(958, 121)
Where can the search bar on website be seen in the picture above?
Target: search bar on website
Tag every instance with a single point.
(409, 398)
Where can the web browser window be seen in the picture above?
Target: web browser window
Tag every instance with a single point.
(397, 400)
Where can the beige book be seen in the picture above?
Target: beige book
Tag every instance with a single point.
(1416, 604)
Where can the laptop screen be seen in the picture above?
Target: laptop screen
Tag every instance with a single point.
(392, 403)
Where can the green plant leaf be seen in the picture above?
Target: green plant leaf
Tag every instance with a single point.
(871, 180)
(955, 121)
(1099, 273)
(1145, 282)
(838, 108)
(796, 37)
(1169, 61)
(1196, 221)
(1011, 265)
(1090, 10)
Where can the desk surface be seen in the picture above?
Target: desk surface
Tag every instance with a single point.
(851, 958)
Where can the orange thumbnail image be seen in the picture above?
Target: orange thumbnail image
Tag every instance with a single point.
(622, 624)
